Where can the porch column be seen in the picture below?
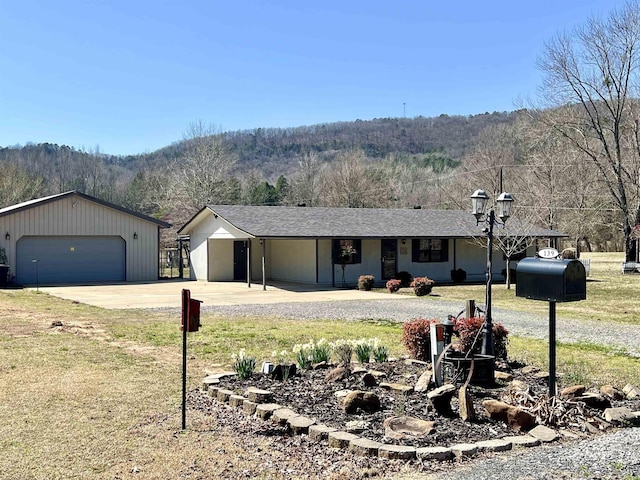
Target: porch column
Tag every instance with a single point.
(264, 272)
(249, 263)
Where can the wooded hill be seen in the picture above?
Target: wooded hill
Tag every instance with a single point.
(389, 162)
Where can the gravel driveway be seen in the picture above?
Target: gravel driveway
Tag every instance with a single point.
(618, 336)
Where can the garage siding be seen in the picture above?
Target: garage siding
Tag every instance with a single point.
(74, 216)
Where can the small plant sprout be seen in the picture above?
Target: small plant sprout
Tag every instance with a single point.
(302, 355)
(243, 364)
(362, 349)
(379, 352)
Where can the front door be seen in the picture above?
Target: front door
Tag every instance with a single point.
(240, 260)
(389, 258)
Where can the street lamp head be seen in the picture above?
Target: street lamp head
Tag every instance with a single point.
(479, 203)
(504, 202)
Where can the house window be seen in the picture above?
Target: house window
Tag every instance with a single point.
(346, 245)
(430, 250)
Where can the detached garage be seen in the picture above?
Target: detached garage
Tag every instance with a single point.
(76, 238)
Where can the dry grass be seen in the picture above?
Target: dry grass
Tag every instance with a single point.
(99, 396)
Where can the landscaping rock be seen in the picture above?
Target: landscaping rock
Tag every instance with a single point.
(258, 395)
(425, 380)
(236, 400)
(223, 395)
(359, 400)
(529, 369)
(622, 416)
(368, 380)
(397, 387)
(495, 445)
(213, 391)
(630, 391)
(611, 392)
(523, 441)
(265, 410)
(340, 439)
(282, 415)
(595, 400)
(504, 376)
(461, 450)
(465, 401)
(407, 427)
(210, 380)
(544, 434)
(413, 361)
(397, 452)
(434, 453)
(377, 374)
(337, 374)
(300, 425)
(364, 447)
(541, 375)
(320, 432)
(249, 407)
(573, 391)
(319, 365)
(441, 399)
(515, 417)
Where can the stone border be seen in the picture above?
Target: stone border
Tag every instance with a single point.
(335, 438)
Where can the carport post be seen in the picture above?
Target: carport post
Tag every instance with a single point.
(249, 263)
(264, 277)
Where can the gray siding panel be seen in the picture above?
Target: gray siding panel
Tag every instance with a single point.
(70, 259)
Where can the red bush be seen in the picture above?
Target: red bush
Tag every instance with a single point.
(416, 336)
(393, 285)
(467, 329)
(422, 286)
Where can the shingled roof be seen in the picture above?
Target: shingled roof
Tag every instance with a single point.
(322, 222)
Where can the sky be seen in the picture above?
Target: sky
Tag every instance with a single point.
(128, 77)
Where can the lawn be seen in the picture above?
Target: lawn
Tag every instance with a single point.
(94, 394)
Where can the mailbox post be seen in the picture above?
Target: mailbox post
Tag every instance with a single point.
(190, 323)
(551, 280)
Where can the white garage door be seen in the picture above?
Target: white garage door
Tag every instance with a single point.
(47, 260)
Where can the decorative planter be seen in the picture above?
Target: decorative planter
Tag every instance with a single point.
(483, 368)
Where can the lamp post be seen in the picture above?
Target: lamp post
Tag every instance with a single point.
(479, 201)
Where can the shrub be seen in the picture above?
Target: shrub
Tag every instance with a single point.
(422, 286)
(458, 275)
(243, 365)
(393, 285)
(416, 335)
(467, 329)
(342, 350)
(365, 282)
(405, 279)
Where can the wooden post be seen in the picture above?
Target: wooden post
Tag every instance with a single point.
(471, 308)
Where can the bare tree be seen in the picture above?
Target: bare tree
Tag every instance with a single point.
(18, 185)
(204, 170)
(593, 74)
(348, 182)
(306, 182)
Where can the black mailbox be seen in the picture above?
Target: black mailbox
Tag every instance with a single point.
(551, 280)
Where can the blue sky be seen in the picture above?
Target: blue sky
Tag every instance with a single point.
(129, 76)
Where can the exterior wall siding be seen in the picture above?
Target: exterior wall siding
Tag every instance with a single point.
(293, 260)
(75, 216)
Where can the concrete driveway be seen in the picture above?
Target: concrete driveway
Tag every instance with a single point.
(168, 293)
